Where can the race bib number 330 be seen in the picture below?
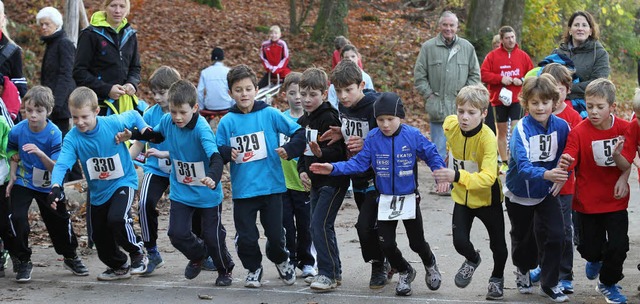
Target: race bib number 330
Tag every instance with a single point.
(105, 168)
(396, 207)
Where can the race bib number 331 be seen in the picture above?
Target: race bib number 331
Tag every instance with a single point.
(396, 207)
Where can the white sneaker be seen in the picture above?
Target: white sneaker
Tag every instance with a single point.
(308, 271)
(523, 281)
(309, 280)
(323, 283)
(253, 279)
(287, 272)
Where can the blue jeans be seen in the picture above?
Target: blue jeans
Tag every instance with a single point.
(325, 203)
(437, 137)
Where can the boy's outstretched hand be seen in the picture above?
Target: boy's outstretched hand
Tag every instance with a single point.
(315, 149)
(333, 135)
(209, 182)
(355, 144)
(321, 168)
(617, 148)
(565, 161)
(280, 150)
(157, 153)
(444, 175)
(55, 196)
(123, 136)
(556, 175)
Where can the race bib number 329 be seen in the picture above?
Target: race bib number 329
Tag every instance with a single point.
(251, 147)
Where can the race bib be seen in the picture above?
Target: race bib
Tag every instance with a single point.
(251, 147)
(164, 164)
(354, 127)
(396, 207)
(506, 96)
(311, 135)
(282, 140)
(543, 148)
(190, 173)
(41, 178)
(466, 165)
(105, 168)
(603, 152)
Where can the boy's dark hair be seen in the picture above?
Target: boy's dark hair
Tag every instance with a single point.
(560, 73)
(240, 72)
(40, 96)
(345, 74)
(349, 47)
(543, 87)
(217, 54)
(602, 88)
(292, 78)
(315, 79)
(163, 77)
(183, 92)
(83, 97)
(340, 42)
(505, 29)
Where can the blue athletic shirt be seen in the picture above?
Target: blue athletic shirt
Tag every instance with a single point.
(106, 166)
(153, 165)
(257, 175)
(190, 149)
(49, 141)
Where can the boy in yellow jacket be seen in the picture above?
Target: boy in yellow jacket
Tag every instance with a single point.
(473, 171)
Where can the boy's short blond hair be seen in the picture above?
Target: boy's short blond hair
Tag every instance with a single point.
(40, 96)
(83, 97)
(543, 87)
(292, 78)
(561, 74)
(602, 88)
(183, 92)
(315, 79)
(163, 77)
(275, 29)
(636, 102)
(475, 95)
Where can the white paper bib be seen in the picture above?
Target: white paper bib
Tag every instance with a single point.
(603, 152)
(396, 207)
(190, 173)
(543, 148)
(251, 147)
(354, 127)
(105, 168)
(41, 178)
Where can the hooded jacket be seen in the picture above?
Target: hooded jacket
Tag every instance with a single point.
(591, 61)
(106, 57)
(12, 66)
(56, 71)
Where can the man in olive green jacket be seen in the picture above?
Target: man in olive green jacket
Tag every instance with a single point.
(446, 63)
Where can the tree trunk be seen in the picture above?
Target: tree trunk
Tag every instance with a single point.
(331, 21)
(75, 19)
(483, 23)
(512, 15)
(293, 19)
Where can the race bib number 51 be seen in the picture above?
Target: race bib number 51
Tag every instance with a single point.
(251, 147)
(396, 207)
(105, 168)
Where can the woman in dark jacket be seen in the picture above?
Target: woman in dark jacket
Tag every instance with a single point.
(580, 43)
(107, 60)
(57, 64)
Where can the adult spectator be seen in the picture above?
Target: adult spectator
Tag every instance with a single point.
(445, 64)
(213, 91)
(580, 43)
(503, 71)
(107, 60)
(10, 56)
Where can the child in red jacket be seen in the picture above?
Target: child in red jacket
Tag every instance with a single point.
(275, 57)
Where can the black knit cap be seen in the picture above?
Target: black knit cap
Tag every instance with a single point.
(388, 103)
(217, 54)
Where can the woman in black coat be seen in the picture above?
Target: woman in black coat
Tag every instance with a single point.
(57, 64)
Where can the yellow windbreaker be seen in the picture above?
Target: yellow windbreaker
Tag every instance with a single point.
(476, 159)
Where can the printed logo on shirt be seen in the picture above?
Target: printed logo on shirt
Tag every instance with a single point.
(247, 156)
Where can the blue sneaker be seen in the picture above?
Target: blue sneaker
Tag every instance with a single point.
(208, 265)
(592, 270)
(566, 286)
(611, 293)
(155, 261)
(534, 275)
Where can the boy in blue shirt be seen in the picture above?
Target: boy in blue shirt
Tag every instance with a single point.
(249, 136)
(195, 177)
(112, 181)
(392, 150)
(36, 143)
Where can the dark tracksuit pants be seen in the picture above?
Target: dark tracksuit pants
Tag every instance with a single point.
(325, 204)
(153, 186)
(5, 235)
(367, 225)
(566, 260)
(245, 213)
(526, 237)
(415, 234)
(493, 219)
(112, 227)
(296, 219)
(604, 237)
(212, 232)
(57, 222)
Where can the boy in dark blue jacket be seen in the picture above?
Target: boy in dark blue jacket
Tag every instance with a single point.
(392, 150)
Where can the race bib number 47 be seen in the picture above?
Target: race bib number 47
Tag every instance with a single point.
(396, 207)
(251, 147)
(105, 168)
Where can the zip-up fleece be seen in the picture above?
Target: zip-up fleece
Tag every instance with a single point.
(106, 56)
(591, 61)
